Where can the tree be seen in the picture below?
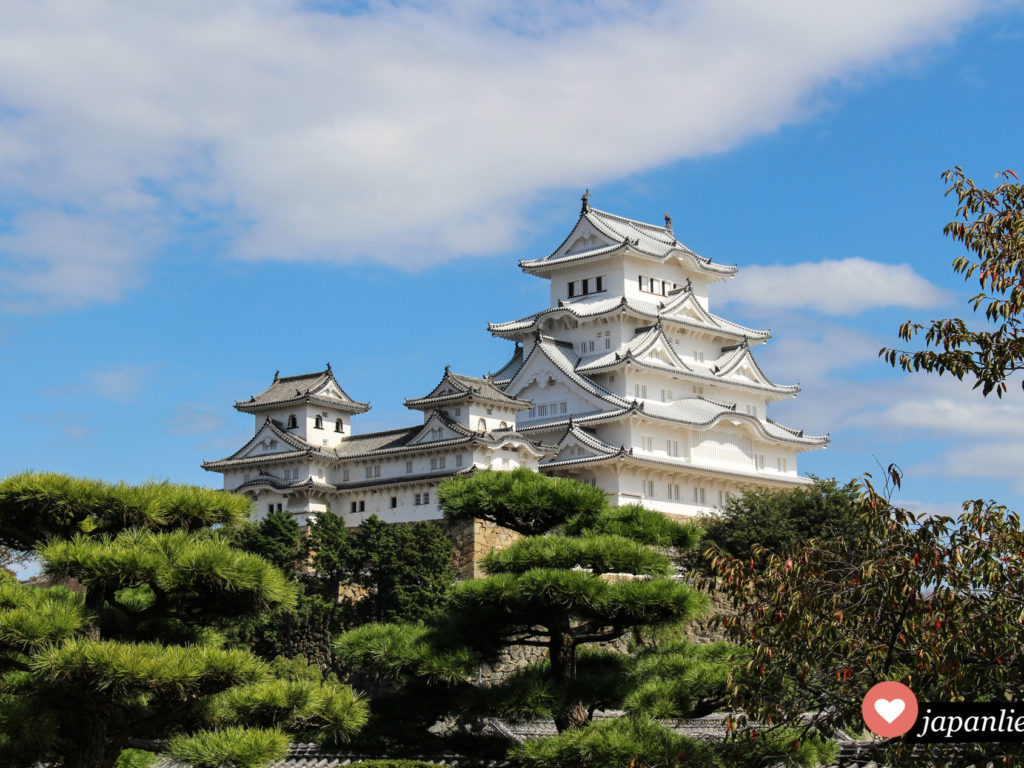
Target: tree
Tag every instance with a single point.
(135, 657)
(775, 520)
(276, 538)
(584, 575)
(935, 603)
(990, 225)
(406, 570)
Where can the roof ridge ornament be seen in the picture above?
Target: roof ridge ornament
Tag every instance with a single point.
(585, 208)
(276, 374)
(329, 366)
(689, 285)
(668, 222)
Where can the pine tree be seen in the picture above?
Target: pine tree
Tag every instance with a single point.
(130, 653)
(584, 574)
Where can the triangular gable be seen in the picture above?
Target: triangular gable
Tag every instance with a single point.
(437, 428)
(740, 364)
(583, 238)
(546, 365)
(268, 440)
(656, 349)
(577, 444)
(685, 306)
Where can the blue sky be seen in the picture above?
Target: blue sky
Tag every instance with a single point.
(194, 196)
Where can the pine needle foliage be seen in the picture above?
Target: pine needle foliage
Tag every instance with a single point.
(132, 654)
(584, 574)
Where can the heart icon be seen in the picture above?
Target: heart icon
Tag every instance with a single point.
(890, 710)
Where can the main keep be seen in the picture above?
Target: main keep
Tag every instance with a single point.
(627, 381)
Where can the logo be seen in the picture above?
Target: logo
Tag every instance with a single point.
(889, 709)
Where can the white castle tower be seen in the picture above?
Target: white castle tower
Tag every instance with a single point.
(646, 393)
(627, 382)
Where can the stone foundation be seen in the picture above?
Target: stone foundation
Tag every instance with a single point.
(474, 539)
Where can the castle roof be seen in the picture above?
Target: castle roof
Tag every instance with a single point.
(320, 388)
(616, 234)
(681, 310)
(696, 412)
(457, 388)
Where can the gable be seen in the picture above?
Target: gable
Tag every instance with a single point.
(539, 375)
(434, 430)
(267, 441)
(584, 237)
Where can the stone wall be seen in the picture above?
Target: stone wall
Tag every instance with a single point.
(474, 539)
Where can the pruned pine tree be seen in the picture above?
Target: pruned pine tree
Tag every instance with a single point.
(586, 575)
(129, 653)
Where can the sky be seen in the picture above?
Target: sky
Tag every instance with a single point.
(194, 195)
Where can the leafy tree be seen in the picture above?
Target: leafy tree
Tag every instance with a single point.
(135, 659)
(276, 538)
(406, 570)
(932, 602)
(990, 225)
(777, 521)
(588, 574)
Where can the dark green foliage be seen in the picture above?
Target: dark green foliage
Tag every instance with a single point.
(781, 520)
(276, 538)
(332, 552)
(990, 225)
(138, 654)
(521, 499)
(637, 524)
(627, 742)
(35, 506)
(406, 570)
(397, 764)
(561, 592)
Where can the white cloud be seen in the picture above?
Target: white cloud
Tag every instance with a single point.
(121, 384)
(834, 287)
(410, 133)
(996, 459)
(967, 415)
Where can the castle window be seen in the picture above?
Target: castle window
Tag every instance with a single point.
(572, 289)
(673, 491)
(458, 460)
(781, 463)
(752, 410)
(362, 506)
(599, 284)
(586, 286)
(650, 489)
(417, 501)
(698, 356)
(394, 502)
(270, 508)
(503, 425)
(344, 476)
(426, 498)
(672, 447)
(318, 422)
(408, 467)
(354, 507)
(481, 425)
(339, 425)
(292, 421)
(648, 442)
(698, 495)
(759, 461)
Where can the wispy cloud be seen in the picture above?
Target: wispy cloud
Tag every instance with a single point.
(196, 419)
(121, 383)
(409, 133)
(835, 287)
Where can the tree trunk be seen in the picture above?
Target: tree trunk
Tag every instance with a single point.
(562, 655)
(95, 599)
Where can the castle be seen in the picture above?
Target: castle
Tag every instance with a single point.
(627, 381)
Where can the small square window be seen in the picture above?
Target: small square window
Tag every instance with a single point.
(362, 506)
(394, 502)
(408, 467)
(426, 498)
(355, 506)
